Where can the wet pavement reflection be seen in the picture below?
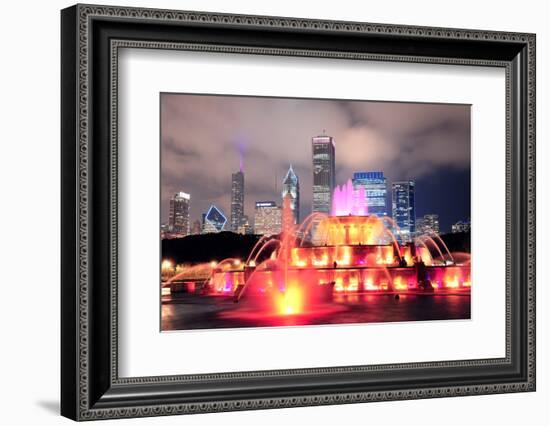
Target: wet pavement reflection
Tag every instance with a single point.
(185, 312)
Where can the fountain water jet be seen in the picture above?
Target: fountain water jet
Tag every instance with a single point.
(347, 201)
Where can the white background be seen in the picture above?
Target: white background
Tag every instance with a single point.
(142, 346)
(29, 218)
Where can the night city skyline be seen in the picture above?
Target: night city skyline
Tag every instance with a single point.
(207, 139)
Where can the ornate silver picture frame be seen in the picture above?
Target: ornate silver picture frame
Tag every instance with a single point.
(91, 38)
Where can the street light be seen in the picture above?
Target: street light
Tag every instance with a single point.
(167, 265)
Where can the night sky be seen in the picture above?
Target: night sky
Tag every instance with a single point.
(204, 136)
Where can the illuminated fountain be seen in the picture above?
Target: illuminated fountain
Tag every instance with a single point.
(347, 202)
(347, 252)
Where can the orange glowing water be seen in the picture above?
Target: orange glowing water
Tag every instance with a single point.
(289, 302)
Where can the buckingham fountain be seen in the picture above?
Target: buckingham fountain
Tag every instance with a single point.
(346, 252)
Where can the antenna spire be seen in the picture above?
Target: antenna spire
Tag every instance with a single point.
(241, 160)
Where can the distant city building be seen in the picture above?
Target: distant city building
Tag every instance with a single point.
(376, 191)
(164, 231)
(427, 224)
(214, 220)
(196, 228)
(178, 216)
(461, 226)
(237, 200)
(403, 210)
(291, 188)
(267, 218)
(203, 222)
(245, 228)
(324, 172)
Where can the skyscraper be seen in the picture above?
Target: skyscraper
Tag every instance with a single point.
(403, 210)
(245, 227)
(427, 224)
(376, 191)
(196, 228)
(214, 220)
(324, 172)
(178, 216)
(287, 215)
(237, 200)
(267, 218)
(291, 187)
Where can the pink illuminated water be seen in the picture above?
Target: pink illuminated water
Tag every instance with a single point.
(348, 201)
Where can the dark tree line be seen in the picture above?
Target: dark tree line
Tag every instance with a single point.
(457, 242)
(208, 247)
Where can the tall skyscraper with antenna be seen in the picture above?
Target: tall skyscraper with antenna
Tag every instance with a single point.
(237, 197)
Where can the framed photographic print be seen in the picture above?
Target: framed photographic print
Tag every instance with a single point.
(264, 212)
(311, 251)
